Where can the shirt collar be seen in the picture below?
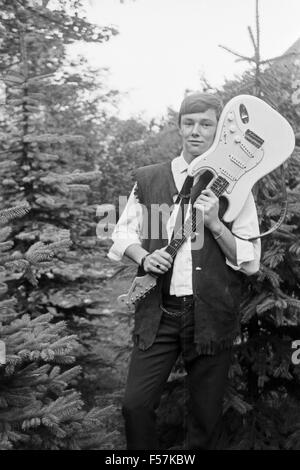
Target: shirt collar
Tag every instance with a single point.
(179, 164)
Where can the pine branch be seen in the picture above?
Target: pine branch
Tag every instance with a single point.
(6, 215)
(241, 57)
(279, 58)
(257, 49)
(252, 37)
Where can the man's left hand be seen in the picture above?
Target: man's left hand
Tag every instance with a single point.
(210, 203)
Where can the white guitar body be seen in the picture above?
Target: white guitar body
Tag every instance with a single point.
(252, 139)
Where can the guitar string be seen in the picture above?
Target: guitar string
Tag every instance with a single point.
(188, 230)
(189, 224)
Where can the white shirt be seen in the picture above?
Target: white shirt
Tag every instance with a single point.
(129, 227)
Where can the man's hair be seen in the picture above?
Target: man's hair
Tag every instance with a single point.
(199, 103)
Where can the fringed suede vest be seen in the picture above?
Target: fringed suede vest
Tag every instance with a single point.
(216, 287)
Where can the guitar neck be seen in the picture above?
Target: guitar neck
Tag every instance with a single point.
(190, 226)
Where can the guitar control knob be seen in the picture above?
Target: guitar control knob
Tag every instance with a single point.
(237, 139)
(232, 128)
(230, 117)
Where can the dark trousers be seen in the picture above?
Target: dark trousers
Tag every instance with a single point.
(148, 373)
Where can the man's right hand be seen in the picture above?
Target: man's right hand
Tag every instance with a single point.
(158, 262)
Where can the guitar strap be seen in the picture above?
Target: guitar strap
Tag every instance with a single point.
(184, 197)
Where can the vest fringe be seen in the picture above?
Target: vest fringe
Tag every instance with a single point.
(214, 347)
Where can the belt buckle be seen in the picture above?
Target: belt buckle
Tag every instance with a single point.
(187, 302)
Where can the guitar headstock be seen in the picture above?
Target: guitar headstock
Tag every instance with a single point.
(140, 287)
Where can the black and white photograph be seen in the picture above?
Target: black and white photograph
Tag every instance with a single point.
(149, 228)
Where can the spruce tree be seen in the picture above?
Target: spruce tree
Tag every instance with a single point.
(33, 170)
(39, 408)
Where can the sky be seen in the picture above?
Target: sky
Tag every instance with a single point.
(164, 46)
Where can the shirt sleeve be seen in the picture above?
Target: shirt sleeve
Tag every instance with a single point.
(128, 229)
(246, 226)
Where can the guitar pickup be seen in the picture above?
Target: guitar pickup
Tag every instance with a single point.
(247, 151)
(228, 174)
(238, 162)
(253, 138)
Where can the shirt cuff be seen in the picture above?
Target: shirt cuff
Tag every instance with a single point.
(244, 253)
(118, 249)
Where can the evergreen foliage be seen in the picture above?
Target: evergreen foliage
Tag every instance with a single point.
(264, 383)
(40, 406)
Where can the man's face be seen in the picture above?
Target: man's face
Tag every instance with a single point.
(198, 131)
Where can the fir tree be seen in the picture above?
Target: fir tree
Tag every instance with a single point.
(34, 35)
(39, 409)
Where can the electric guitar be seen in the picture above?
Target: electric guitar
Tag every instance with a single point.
(252, 139)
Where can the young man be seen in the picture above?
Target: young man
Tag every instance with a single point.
(194, 307)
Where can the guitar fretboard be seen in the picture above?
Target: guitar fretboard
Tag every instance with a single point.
(190, 226)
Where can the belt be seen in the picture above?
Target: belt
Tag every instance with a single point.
(177, 306)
